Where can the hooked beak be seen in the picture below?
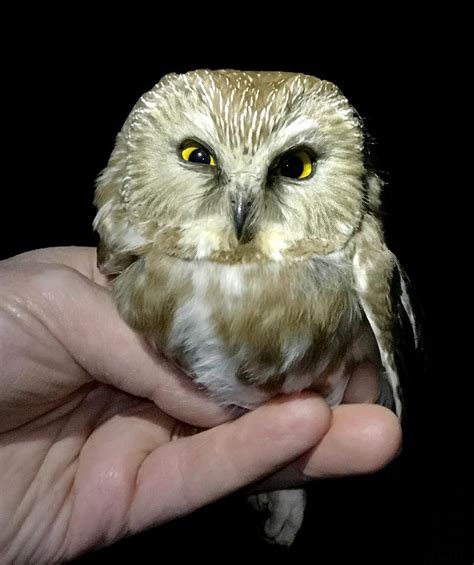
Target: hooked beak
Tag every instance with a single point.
(240, 205)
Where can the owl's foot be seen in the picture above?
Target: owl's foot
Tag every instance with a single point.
(285, 509)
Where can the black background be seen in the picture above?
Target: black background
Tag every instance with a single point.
(66, 98)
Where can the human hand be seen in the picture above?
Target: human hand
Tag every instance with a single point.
(88, 412)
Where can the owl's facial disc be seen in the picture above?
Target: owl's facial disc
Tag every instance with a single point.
(236, 167)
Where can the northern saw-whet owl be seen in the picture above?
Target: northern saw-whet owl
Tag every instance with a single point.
(240, 227)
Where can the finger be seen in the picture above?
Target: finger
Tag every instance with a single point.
(362, 439)
(190, 472)
(364, 385)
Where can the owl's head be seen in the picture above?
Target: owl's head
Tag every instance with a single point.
(233, 166)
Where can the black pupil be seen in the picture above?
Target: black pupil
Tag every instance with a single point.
(291, 166)
(200, 156)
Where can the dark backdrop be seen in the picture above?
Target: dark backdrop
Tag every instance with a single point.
(65, 103)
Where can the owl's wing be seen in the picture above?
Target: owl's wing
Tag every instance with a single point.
(382, 289)
(120, 245)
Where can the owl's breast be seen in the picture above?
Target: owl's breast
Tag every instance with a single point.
(249, 331)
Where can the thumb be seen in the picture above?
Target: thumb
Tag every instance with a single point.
(183, 475)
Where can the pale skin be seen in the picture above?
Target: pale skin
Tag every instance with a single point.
(88, 412)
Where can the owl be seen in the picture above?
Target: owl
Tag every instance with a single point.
(240, 227)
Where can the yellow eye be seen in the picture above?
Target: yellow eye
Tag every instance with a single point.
(297, 165)
(195, 153)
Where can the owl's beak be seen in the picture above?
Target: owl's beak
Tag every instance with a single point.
(241, 204)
